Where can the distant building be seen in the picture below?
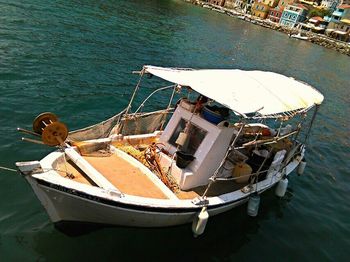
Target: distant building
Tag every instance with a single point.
(240, 4)
(261, 8)
(217, 2)
(315, 24)
(329, 4)
(313, 3)
(245, 5)
(293, 14)
(230, 4)
(341, 12)
(283, 3)
(339, 23)
(317, 21)
(275, 14)
(344, 2)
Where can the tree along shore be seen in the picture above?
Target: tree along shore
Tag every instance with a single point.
(319, 39)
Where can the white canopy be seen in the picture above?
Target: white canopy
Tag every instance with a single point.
(244, 91)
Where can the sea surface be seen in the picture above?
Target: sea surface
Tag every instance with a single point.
(75, 58)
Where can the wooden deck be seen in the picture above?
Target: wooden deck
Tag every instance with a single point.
(130, 180)
(69, 168)
(124, 176)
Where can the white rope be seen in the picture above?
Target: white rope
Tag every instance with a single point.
(8, 169)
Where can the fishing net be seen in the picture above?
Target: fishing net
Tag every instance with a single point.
(143, 123)
(131, 124)
(100, 130)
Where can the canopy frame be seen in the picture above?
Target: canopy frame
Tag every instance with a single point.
(293, 99)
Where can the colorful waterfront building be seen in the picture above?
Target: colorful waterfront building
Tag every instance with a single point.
(261, 8)
(339, 23)
(315, 24)
(240, 3)
(217, 2)
(275, 14)
(245, 5)
(329, 4)
(341, 12)
(230, 4)
(293, 14)
(313, 3)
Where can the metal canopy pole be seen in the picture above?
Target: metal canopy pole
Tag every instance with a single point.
(311, 123)
(131, 100)
(229, 150)
(135, 91)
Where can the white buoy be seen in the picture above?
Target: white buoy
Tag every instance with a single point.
(253, 205)
(301, 167)
(281, 188)
(200, 222)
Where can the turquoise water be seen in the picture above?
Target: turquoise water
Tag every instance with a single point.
(75, 58)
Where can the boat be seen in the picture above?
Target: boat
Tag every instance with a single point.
(231, 135)
(218, 10)
(299, 36)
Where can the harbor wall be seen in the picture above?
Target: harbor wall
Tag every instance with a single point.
(319, 39)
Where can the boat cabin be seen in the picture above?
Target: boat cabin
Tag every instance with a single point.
(206, 142)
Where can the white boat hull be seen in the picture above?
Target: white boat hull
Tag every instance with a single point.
(299, 37)
(65, 206)
(67, 201)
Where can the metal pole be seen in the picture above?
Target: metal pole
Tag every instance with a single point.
(168, 107)
(311, 123)
(135, 91)
(131, 100)
(212, 179)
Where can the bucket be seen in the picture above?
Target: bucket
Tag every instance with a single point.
(212, 116)
(237, 157)
(183, 159)
(242, 172)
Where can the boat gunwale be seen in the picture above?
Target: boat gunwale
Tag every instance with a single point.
(132, 200)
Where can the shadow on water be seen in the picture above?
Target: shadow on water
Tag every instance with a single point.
(225, 235)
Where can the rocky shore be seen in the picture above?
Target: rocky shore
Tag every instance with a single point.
(318, 39)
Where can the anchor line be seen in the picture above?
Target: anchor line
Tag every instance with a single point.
(8, 169)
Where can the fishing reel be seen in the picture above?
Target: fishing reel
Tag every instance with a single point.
(51, 131)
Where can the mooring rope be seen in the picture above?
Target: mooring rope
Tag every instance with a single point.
(8, 169)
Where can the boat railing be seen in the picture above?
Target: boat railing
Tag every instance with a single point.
(267, 141)
(297, 151)
(256, 174)
(153, 93)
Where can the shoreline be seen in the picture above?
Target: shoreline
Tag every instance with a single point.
(318, 39)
